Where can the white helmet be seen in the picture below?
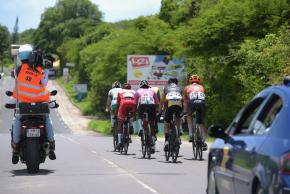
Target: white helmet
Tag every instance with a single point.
(25, 51)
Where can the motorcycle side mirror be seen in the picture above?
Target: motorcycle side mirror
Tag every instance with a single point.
(10, 106)
(53, 92)
(9, 93)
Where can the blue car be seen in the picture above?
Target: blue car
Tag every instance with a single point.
(252, 156)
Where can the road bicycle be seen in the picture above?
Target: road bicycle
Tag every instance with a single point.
(126, 137)
(174, 142)
(146, 137)
(197, 143)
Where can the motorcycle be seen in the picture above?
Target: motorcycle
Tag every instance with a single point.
(33, 146)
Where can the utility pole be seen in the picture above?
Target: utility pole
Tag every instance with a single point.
(15, 32)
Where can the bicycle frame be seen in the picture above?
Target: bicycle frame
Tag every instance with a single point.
(146, 138)
(196, 139)
(174, 141)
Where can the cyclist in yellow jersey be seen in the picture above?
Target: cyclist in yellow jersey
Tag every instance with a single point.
(171, 103)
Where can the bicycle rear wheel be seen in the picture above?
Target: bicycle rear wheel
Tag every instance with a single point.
(175, 146)
(143, 144)
(148, 147)
(199, 148)
(115, 138)
(168, 153)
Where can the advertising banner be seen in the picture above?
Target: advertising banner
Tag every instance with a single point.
(156, 69)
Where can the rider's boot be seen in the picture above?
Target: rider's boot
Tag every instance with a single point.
(15, 153)
(52, 155)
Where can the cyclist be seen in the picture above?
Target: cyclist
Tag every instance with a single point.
(111, 104)
(147, 101)
(125, 103)
(171, 102)
(193, 100)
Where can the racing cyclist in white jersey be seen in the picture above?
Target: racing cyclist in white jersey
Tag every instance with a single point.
(111, 104)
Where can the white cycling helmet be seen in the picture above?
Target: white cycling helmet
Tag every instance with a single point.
(24, 51)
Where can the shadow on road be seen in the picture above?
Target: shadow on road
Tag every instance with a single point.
(23, 172)
(141, 158)
(194, 159)
(170, 162)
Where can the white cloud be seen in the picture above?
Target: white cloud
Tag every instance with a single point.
(115, 10)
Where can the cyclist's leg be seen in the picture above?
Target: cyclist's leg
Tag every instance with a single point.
(168, 116)
(200, 114)
(121, 119)
(140, 117)
(177, 111)
(152, 117)
(189, 119)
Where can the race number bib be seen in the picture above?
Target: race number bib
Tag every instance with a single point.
(128, 95)
(197, 96)
(173, 96)
(146, 99)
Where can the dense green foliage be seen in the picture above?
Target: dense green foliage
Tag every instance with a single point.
(5, 41)
(238, 47)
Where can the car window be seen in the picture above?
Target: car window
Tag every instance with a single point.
(267, 116)
(241, 126)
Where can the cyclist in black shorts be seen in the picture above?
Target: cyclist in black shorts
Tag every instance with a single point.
(194, 100)
(147, 101)
(171, 103)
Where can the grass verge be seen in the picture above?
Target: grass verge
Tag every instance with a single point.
(100, 126)
(83, 105)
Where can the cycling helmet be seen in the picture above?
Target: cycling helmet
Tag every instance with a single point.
(24, 52)
(126, 86)
(172, 80)
(144, 84)
(194, 79)
(116, 84)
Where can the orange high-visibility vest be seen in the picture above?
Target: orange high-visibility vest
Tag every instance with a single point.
(29, 87)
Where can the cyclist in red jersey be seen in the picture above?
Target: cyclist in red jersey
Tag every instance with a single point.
(194, 100)
(125, 103)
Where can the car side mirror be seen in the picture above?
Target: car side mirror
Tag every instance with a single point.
(53, 92)
(217, 131)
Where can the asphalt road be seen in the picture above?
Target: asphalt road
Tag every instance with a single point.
(86, 164)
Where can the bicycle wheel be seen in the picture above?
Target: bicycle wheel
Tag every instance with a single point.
(148, 145)
(168, 152)
(199, 147)
(115, 138)
(143, 144)
(175, 146)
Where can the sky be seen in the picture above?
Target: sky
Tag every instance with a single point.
(29, 11)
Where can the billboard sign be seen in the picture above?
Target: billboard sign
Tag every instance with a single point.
(156, 69)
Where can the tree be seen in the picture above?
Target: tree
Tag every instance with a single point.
(4, 44)
(68, 19)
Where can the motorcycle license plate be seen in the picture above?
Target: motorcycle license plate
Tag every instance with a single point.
(33, 133)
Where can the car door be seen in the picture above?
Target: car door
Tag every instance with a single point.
(246, 157)
(224, 172)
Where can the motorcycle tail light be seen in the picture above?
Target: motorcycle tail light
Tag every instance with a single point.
(41, 126)
(285, 164)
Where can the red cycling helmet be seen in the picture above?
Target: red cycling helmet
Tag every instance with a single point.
(126, 86)
(194, 79)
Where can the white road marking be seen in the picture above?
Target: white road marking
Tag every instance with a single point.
(71, 140)
(144, 185)
(114, 165)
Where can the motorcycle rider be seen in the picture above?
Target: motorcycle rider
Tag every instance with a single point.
(31, 87)
(111, 104)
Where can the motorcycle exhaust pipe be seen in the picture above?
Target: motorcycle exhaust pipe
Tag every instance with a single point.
(46, 148)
